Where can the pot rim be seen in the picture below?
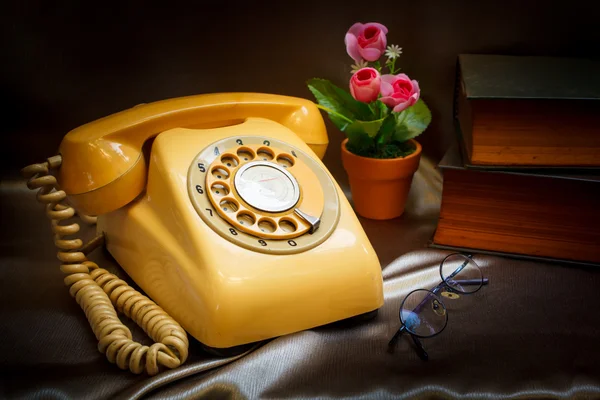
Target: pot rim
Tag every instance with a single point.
(412, 155)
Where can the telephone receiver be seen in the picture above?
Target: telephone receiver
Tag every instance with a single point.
(218, 206)
(97, 187)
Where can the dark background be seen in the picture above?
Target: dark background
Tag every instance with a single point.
(67, 64)
(64, 65)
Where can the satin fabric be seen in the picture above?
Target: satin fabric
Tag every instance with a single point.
(532, 332)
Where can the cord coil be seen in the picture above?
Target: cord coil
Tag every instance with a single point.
(100, 293)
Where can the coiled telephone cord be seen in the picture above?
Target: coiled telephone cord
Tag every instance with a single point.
(94, 289)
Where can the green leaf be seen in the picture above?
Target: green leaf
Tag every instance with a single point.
(338, 119)
(411, 122)
(370, 128)
(358, 138)
(340, 101)
(387, 129)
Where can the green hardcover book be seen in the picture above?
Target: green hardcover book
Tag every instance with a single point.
(528, 112)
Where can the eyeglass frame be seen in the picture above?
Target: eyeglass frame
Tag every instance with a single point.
(433, 292)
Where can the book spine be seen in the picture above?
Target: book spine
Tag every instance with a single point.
(462, 117)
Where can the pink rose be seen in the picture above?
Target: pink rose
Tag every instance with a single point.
(366, 41)
(365, 85)
(399, 92)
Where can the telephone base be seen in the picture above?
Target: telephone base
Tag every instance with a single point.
(358, 319)
(355, 320)
(237, 350)
(226, 287)
(230, 351)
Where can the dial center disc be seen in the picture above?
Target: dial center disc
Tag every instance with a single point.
(267, 186)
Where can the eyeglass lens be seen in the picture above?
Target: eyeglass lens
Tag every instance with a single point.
(423, 313)
(461, 273)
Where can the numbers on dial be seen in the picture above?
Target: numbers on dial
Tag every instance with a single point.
(199, 189)
(233, 231)
(267, 143)
(262, 242)
(292, 243)
(209, 212)
(239, 141)
(294, 154)
(201, 167)
(217, 152)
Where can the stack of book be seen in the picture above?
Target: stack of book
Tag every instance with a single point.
(524, 179)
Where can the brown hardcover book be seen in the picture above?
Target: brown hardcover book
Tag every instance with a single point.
(553, 216)
(529, 111)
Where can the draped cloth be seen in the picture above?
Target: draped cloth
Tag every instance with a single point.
(532, 332)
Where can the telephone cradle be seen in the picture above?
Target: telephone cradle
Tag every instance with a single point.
(218, 206)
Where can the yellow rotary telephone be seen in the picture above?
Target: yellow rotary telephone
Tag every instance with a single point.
(220, 209)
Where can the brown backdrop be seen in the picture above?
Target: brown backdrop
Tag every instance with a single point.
(68, 64)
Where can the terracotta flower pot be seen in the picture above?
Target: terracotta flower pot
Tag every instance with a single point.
(380, 186)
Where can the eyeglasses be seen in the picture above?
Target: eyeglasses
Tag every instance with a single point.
(423, 314)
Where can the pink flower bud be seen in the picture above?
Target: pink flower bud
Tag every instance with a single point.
(365, 85)
(366, 41)
(399, 92)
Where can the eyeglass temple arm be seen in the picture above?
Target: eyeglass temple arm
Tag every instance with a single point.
(419, 347)
(392, 343)
(457, 271)
(472, 281)
(460, 281)
(465, 282)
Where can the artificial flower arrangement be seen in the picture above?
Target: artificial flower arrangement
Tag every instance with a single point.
(380, 116)
(382, 111)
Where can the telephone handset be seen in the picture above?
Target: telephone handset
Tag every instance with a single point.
(227, 219)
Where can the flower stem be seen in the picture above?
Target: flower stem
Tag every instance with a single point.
(329, 111)
(375, 109)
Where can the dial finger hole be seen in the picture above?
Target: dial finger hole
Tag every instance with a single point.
(228, 205)
(285, 160)
(266, 225)
(230, 160)
(219, 189)
(265, 154)
(286, 225)
(246, 219)
(220, 173)
(245, 154)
